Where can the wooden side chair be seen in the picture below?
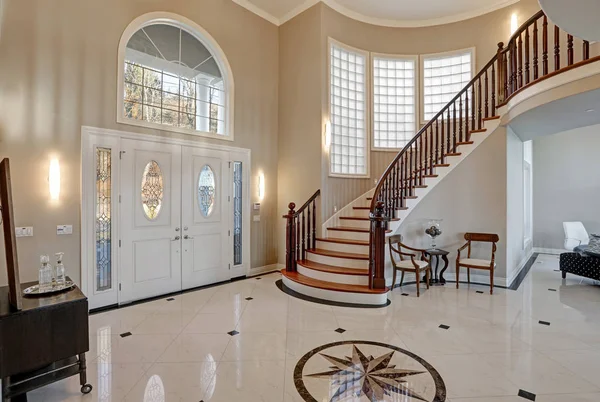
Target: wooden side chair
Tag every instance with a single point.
(405, 264)
(474, 263)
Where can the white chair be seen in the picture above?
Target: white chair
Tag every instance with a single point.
(575, 235)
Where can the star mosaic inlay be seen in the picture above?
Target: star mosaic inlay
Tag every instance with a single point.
(366, 371)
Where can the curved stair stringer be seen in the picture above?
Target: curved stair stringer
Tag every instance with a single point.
(478, 138)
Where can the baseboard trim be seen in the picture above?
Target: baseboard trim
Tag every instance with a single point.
(553, 251)
(265, 269)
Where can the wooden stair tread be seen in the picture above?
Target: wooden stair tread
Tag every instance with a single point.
(491, 118)
(348, 229)
(411, 197)
(343, 241)
(317, 266)
(442, 165)
(338, 254)
(339, 287)
(454, 154)
(422, 186)
(431, 175)
(362, 208)
(360, 218)
(481, 130)
(465, 143)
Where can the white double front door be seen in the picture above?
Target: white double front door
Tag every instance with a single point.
(175, 218)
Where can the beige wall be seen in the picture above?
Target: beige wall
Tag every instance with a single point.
(483, 33)
(58, 71)
(472, 198)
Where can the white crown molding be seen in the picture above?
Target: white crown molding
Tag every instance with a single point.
(258, 11)
(334, 4)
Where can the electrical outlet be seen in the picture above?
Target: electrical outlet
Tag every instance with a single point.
(334, 209)
(24, 231)
(256, 218)
(64, 229)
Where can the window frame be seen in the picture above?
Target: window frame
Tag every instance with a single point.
(211, 45)
(367, 120)
(449, 53)
(417, 103)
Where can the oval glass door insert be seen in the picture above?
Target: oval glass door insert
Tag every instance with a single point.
(206, 191)
(152, 190)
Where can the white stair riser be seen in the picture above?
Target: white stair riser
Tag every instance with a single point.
(355, 224)
(338, 262)
(335, 278)
(345, 248)
(332, 295)
(342, 234)
(361, 213)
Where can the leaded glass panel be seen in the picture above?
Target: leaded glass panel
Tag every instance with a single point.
(206, 191)
(103, 220)
(152, 190)
(237, 213)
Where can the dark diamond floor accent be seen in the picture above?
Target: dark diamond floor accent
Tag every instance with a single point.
(444, 326)
(233, 333)
(405, 294)
(552, 290)
(527, 395)
(340, 330)
(126, 334)
(170, 299)
(258, 279)
(249, 298)
(479, 291)
(544, 323)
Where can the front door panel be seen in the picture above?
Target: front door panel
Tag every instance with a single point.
(150, 216)
(206, 189)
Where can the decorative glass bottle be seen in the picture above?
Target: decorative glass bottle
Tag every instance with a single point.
(60, 270)
(46, 274)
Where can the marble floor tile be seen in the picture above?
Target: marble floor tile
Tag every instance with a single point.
(196, 348)
(256, 346)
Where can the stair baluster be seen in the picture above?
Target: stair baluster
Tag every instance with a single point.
(535, 51)
(570, 50)
(545, 46)
(556, 48)
(520, 61)
(586, 50)
(526, 56)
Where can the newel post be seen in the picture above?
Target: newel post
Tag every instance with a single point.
(377, 263)
(290, 239)
(500, 79)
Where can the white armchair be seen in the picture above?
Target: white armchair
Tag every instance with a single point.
(575, 235)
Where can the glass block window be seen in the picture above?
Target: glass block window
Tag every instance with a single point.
(348, 111)
(394, 111)
(443, 77)
(103, 220)
(171, 78)
(237, 213)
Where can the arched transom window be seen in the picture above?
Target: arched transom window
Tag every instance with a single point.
(175, 78)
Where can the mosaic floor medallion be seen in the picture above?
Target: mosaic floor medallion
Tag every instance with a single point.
(364, 371)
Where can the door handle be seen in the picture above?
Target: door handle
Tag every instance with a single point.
(187, 237)
(176, 238)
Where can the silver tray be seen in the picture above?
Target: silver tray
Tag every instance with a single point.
(35, 289)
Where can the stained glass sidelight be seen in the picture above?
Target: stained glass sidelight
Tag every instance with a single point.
(152, 190)
(103, 219)
(206, 191)
(237, 213)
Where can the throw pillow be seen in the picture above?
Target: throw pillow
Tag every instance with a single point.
(594, 245)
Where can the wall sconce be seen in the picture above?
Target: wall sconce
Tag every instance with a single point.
(54, 179)
(514, 24)
(327, 134)
(261, 186)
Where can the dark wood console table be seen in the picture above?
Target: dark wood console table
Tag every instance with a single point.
(43, 343)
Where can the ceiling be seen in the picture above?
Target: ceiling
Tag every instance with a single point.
(393, 13)
(568, 113)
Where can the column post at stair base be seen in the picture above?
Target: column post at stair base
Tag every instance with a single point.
(290, 239)
(377, 261)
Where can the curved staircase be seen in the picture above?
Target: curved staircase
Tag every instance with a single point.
(347, 263)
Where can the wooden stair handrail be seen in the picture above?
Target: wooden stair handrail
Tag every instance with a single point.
(515, 67)
(299, 236)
